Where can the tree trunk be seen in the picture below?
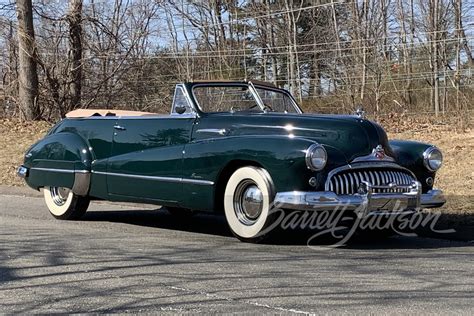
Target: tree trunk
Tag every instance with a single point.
(406, 96)
(435, 56)
(75, 53)
(27, 72)
(273, 51)
(364, 41)
(457, 77)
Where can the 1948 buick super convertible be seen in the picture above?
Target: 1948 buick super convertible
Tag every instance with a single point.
(240, 147)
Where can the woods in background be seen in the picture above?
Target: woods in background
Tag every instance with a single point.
(388, 55)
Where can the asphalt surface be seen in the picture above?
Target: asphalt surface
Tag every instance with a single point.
(122, 259)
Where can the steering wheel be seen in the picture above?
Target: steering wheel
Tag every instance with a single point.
(267, 108)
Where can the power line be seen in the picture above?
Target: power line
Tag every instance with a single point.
(293, 10)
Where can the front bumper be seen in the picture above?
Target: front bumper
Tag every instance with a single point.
(365, 202)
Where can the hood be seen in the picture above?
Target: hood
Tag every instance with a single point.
(342, 135)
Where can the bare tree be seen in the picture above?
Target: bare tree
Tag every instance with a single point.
(331, 54)
(75, 53)
(27, 72)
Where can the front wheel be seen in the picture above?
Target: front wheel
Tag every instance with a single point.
(64, 204)
(248, 199)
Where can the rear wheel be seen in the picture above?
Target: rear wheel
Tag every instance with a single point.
(248, 198)
(64, 204)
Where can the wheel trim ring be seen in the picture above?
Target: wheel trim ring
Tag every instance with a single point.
(57, 195)
(265, 183)
(240, 209)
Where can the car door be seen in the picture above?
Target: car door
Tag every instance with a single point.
(146, 160)
(147, 157)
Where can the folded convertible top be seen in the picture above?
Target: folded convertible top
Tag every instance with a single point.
(105, 112)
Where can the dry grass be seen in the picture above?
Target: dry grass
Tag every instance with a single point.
(455, 137)
(456, 178)
(15, 138)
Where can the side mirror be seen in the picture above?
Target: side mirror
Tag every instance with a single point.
(180, 109)
(360, 112)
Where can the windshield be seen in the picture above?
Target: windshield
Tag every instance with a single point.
(225, 98)
(241, 97)
(276, 101)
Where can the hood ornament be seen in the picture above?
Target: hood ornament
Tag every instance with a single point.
(378, 154)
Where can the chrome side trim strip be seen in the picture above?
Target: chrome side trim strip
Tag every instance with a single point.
(59, 170)
(82, 171)
(156, 178)
(194, 181)
(221, 131)
(81, 177)
(53, 170)
(288, 128)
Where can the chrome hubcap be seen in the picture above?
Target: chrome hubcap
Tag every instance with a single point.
(248, 202)
(59, 195)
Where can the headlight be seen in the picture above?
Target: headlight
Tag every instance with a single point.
(432, 158)
(316, 157)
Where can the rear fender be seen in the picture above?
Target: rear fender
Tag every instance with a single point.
(63, 160)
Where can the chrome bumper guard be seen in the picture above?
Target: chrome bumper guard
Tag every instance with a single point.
(366, 201)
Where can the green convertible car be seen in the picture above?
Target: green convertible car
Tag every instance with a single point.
(243, 148)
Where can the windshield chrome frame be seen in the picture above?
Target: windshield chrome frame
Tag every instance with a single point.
(253, 90)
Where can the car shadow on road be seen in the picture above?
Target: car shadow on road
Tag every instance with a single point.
(160, 218)
(216, 225)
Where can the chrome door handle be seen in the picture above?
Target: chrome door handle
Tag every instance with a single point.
(120, 128)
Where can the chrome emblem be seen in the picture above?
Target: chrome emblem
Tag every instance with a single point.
(378, 152)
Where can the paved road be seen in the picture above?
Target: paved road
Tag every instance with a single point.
(129, 259)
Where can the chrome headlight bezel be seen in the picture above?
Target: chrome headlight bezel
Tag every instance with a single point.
(429, 160)
(314, 153)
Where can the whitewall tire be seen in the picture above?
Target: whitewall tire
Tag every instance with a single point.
(248, 198)
(64, 204)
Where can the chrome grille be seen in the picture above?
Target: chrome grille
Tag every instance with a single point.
(348, 181)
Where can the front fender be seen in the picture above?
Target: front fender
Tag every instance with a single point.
(409, 154)
(281, 156)
(56, 160)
